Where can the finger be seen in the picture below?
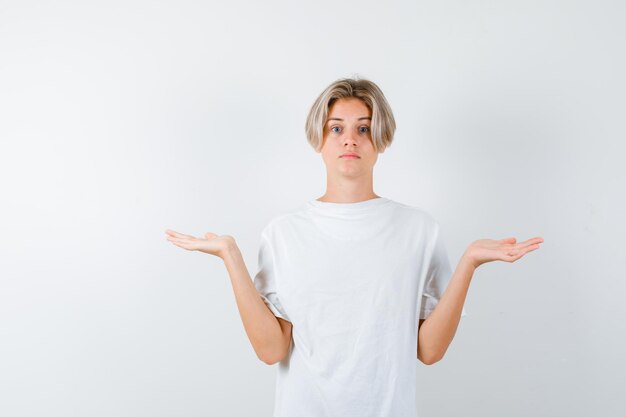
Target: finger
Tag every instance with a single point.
(532, 248)
(508, 257)
(528, 243)
(182, 240)
(512, 257)
(508, 240)
(183, 243)
(179, 235)
(516, 255)
(534, 240)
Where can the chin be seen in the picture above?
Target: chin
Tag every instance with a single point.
(351, 172)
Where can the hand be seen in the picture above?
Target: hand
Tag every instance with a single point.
(211, 243)
(487, 250)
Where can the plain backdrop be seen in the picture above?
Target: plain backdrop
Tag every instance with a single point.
(120, 119)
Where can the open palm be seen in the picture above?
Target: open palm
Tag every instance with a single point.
(211, 243)
(487, 250)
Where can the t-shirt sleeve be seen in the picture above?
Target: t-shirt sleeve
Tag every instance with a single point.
(265, 279)
(437, 278)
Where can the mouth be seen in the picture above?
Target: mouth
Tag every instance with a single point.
(350, 156)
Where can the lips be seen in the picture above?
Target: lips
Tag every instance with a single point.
(350, 155)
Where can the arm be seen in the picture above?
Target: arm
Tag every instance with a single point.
(436, 332)
(270, 335)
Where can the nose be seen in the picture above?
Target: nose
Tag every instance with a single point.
(350, 138)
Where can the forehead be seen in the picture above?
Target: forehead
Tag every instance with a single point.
(349, 108)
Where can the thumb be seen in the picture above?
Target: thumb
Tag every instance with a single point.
(209, 235)
(508, 240)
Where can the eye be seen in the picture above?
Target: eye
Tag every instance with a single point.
(334, 127)
(364, 129)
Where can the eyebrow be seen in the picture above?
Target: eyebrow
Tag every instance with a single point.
(360, 118)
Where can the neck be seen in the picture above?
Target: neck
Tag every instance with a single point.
(348, 190)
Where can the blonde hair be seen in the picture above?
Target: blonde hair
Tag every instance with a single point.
(383, 124)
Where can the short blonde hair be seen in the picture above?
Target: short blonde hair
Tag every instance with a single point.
(383, 124)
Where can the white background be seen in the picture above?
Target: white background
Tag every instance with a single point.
(120, 119)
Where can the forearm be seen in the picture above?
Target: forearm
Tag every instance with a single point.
(262, 327)
(438, 330)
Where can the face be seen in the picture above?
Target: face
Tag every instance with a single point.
(348, 130)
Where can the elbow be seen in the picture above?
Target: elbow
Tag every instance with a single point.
(429, 358)
(271, 357)
(274, 349)
(266, 358)
(269, 360)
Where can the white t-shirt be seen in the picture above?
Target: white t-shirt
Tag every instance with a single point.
(353, 279)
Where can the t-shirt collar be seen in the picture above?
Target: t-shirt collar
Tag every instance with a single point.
(349, 207)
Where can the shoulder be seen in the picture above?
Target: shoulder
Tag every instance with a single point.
(419, 215)
(284, 219)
